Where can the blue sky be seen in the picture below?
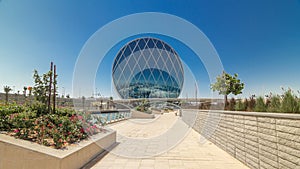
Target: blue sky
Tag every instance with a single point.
(259, 40)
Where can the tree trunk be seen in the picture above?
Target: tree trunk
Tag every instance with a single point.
(6, 97)
(50, 85)
(54, 88)
(226, 101)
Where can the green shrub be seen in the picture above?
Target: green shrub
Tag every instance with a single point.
(289, 103)
(274, 104)
(251, 104)
(39, 108)
(6, 112)
(23, 120)
(240, 105)
(260, 105)
(246, 102)
(58, 129)
(65, 112)
(10, 109)
(231, 104)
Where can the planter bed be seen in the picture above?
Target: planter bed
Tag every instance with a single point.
(22, 154)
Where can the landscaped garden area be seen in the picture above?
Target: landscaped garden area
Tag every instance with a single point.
(39, 121)
(57, 129)
(287, 102)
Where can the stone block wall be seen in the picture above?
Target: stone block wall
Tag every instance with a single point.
(259, 140)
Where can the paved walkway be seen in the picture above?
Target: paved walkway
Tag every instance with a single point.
(154, 141)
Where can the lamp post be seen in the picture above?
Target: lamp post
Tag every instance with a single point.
(63, 91)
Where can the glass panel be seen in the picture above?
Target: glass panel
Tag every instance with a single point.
(142, 44)
(155, 53)
(116, 60)
(127, 52)
(136, 48)
(160, 63)
(150, 43)
(132, 45)
(165, 57)
(126, 72)
(159, 45)
(147, 54)
(131, 61)
(117, 73)
(146, 43)
(151, 62)
(167, 47)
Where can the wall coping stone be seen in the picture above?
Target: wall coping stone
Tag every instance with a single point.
(257, 114)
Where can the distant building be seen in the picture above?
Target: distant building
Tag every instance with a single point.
(147, 68)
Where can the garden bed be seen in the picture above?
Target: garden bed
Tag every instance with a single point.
(32, 137)
(18, 153)
(57, 129)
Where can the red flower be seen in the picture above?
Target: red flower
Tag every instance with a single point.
(73, 117)
(16, 131)
(50, 126)
(80, 117)
(60, 125)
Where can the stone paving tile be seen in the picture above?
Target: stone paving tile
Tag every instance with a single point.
(189, 153)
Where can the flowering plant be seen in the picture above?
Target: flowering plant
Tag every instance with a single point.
(58, 129)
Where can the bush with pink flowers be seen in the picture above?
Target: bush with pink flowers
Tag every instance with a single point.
(58, 129)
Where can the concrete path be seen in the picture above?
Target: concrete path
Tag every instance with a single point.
(147, 138)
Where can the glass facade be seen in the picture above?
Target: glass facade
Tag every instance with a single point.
(147, 68)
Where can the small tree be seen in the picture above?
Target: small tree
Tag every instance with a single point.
(7, 89)
(227, 84)
(45, 86)
(41, 87)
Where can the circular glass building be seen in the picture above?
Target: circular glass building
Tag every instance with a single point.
(147, 68)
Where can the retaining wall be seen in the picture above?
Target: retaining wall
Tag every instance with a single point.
(259, 140)
(22, 154)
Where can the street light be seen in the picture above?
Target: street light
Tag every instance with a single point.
(63, 91)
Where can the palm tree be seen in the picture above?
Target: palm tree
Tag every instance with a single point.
(7, 89)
